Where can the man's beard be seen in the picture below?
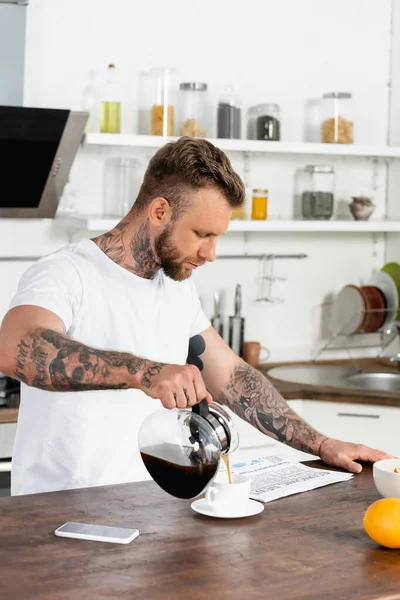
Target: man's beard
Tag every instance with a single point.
(168, 256)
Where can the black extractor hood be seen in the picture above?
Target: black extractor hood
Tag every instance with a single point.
(37, 149)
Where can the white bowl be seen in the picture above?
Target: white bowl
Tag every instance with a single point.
(387, 482)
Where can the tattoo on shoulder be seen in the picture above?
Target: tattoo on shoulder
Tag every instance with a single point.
(253, 398)
(197, 347)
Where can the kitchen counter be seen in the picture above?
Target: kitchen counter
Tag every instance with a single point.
(298, 391)
(304, 547)
(8, 415)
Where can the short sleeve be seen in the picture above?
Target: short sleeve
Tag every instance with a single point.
(200, 322)
(53, 283)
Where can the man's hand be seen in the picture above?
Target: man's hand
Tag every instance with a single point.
(344, 454)
(177, 386)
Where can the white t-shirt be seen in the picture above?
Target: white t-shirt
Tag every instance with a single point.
(77, 439)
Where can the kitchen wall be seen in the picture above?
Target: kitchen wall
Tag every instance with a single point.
(283, 51)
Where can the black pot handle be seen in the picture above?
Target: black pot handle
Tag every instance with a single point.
(201, 408)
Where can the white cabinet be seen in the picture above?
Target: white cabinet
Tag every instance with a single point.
(7, 436)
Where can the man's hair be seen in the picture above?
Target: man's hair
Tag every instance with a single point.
(188, 164)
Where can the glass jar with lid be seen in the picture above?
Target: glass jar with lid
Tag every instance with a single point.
(121, 185)
(229, 115)
(162, 96)
(259, 205)
(268, 123)
(315, 186)
(337, 123)
(192, 109)
(268, 127)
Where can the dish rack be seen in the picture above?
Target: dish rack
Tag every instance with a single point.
(362, 340)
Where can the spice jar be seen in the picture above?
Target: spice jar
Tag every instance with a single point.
(192, 109)
(337, 124)
(228, 116)
(315, 186)
(163, 100)
(268, 123)
(259, 205)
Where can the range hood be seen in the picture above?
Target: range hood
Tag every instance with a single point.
(37, 148)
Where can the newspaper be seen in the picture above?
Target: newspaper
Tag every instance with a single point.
(275, 477)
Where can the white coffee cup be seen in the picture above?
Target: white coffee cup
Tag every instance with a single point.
(226, 497)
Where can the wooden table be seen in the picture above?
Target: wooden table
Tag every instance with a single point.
(306, 547)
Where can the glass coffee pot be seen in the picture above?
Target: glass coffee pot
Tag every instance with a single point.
(181, 448)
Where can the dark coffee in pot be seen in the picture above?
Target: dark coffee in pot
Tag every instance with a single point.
(179, 473)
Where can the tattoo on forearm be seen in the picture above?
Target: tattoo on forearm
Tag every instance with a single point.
(52, 361)
(39, 359)
(23, 349)
(253, 398)
(153, 370)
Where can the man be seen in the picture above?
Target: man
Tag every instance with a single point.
(102, 330)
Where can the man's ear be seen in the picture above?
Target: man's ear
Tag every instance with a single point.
(160, 212)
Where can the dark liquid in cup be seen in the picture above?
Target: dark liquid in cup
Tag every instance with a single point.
(178, 473)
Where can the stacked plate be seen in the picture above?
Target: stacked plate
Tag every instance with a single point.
(368, 308)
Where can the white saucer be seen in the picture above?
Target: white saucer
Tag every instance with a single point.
(202, 507)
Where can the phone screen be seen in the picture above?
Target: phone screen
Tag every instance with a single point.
(103, 531)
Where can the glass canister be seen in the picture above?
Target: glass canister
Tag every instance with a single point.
(337, 124)
(229, 115)
(163, 92)
(181, 448)
(316, 186)
(110, 103)
(268, 123)
(192, 109)
(259, 205)
(121, 185)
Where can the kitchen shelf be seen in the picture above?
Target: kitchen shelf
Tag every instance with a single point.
(301, 148)
(99, 223)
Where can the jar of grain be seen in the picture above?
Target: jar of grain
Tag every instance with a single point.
(192, 109)
(337, 123)
(163, 92)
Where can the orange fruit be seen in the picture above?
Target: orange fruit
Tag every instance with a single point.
(382, 522)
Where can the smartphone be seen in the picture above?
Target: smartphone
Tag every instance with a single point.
(97, 533)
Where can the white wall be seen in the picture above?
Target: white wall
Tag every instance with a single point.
(284, 51)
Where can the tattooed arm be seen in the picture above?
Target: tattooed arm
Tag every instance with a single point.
(253, 398)
(35, 350)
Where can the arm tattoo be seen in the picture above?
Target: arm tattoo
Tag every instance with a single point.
(23, 349)
(253, 398)
(153, 370)
(52, 361)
